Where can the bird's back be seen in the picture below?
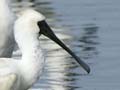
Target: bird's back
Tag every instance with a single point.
(7, 82)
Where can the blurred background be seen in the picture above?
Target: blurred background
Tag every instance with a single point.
(91, 28)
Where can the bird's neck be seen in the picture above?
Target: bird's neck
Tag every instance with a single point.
(31, 51)
(32, 60)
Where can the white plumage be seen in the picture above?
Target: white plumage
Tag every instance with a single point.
(7, 19)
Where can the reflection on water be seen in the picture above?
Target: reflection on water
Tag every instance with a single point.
(61, 72)
(89, 40)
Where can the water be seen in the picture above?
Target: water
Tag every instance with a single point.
(91, 29)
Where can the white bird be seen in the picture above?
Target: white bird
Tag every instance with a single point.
(7, 19)
(22, 74)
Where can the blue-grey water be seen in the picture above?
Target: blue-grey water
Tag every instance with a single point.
(91, 28)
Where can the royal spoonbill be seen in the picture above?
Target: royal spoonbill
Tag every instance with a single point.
(22, 74)
(7, 19)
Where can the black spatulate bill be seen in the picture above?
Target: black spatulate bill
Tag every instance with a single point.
(46, 30)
